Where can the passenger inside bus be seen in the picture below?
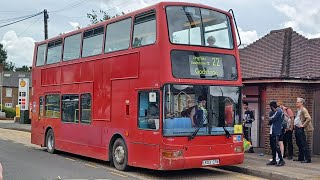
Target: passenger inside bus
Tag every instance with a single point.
(211, 40)
(136, 42)
(228, 112)
(198, 114)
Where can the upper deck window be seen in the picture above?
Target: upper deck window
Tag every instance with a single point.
(92, 42)
(41, 54)
(144, 29)
(197, 26)
(54, 51)
(72, 47)
(118, 36)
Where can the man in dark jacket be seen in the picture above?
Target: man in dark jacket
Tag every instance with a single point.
(275, 122)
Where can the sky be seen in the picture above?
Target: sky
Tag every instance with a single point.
(255, 19)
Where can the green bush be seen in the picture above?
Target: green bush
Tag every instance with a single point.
(10, 112)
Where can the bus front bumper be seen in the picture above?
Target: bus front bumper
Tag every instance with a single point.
(168, 163)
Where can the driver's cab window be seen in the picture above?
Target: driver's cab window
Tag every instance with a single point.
(149, 111)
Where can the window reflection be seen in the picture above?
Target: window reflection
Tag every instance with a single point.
(208, 107)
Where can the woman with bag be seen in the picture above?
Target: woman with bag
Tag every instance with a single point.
(287, 140)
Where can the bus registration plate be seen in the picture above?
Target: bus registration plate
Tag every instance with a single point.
(210, 162)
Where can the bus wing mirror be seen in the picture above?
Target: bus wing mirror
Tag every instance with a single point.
(152, 97)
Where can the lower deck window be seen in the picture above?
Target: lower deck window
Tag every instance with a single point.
(70, 108)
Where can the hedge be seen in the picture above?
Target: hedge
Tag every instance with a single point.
(10, 112)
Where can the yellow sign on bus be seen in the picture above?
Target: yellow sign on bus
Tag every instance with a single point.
(237, 129)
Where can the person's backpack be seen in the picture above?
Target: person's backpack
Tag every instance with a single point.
(285, 120)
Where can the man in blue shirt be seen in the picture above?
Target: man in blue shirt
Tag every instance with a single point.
(275, 122)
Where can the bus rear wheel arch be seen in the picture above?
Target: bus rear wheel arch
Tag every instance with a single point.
(50, 141)
(120, 155)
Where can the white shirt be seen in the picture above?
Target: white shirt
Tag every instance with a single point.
(297, 120)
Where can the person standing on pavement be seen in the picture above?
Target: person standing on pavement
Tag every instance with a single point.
(287, 140)
(248, 118)
(275, 122)
(302, 124)
(1, 172)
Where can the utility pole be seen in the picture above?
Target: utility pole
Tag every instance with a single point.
(45, 19)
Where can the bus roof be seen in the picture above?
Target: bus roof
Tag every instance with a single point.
(103, 23)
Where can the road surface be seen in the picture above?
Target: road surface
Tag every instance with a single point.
(22, 160)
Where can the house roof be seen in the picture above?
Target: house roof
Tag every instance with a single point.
(11, 78)
(282, 54)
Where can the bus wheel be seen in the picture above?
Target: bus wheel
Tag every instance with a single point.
(120, 155)
(50, 141)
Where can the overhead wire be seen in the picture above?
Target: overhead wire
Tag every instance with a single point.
(15, 18)
(71, 6)
(14, 22)
(29, 26)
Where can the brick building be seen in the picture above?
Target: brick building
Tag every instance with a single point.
(282, 65)
(11, 86)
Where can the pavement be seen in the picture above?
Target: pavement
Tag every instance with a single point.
(10, 124)
(254, 164)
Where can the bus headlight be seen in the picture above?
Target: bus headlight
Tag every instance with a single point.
(238, 149)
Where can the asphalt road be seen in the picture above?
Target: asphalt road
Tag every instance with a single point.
(24, 161)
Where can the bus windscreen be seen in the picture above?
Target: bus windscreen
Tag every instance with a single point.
(199, 27)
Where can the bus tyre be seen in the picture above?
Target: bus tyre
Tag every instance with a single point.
(50, 141)
(120, 155)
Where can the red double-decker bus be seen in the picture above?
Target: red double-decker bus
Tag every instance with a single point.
(158, 88)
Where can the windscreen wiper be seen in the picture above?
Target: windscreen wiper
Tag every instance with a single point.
(224, 127)
(227, 132)
(196, 131)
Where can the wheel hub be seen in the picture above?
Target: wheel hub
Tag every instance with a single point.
(119, 154)
(50, 142)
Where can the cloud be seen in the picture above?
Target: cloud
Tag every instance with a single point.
(303, 16)
(248, 37)
(19, 49)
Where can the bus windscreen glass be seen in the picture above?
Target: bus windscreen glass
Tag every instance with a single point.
(199, 27)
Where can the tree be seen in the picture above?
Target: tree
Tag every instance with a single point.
(24, 68)
(3, 54)
(94, 19)
(8, 66)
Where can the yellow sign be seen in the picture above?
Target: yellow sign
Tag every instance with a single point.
(17, 110)
(23, 83)
(237, 129)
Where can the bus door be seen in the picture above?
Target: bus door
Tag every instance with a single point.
(149, 135)
(37, 120)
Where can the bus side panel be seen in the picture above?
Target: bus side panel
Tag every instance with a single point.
(70, 73)
(51, 76)
(101, 90)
